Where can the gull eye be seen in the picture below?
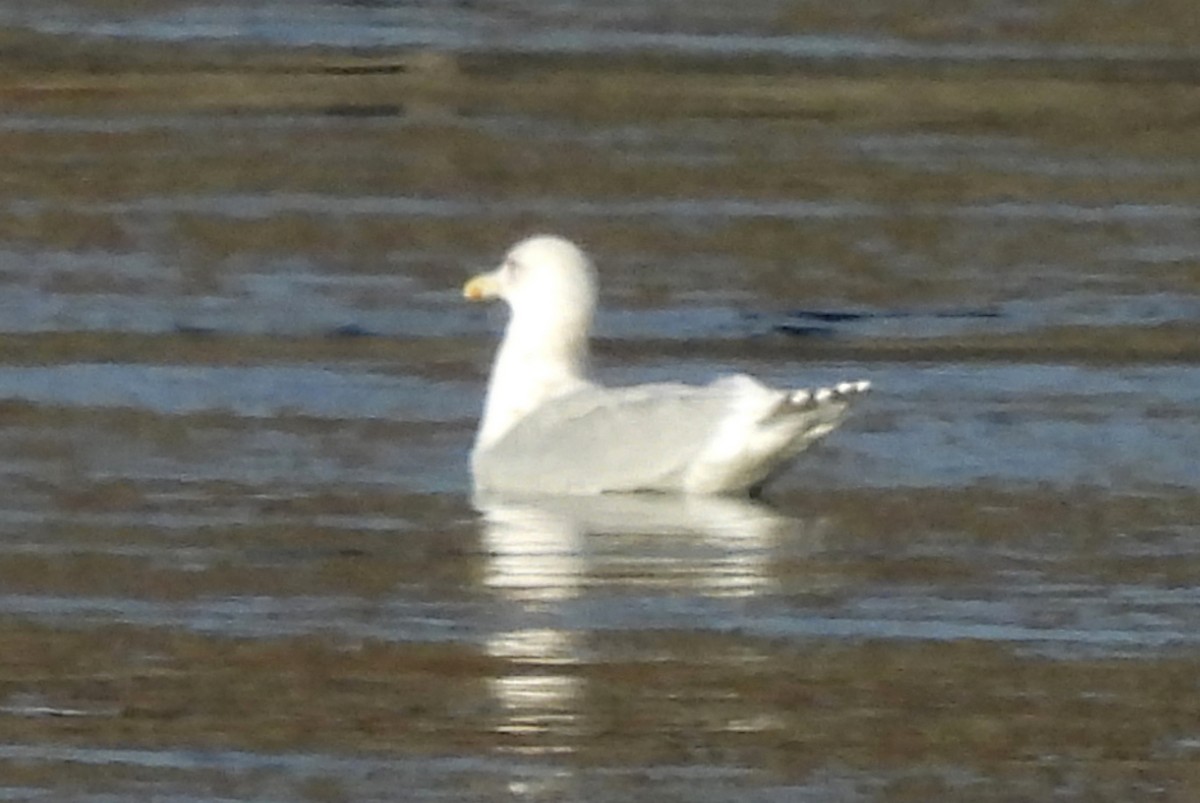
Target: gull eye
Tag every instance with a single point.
(512, 267)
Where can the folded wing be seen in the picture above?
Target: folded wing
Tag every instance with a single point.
(726, 437)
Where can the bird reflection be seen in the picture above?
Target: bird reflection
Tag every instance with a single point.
(554, 547)
(562, 566)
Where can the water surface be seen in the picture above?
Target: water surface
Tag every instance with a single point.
(239, 556)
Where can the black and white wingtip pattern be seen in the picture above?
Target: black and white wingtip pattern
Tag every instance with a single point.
(841, 392)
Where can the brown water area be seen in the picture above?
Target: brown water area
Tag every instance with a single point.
(239, 555)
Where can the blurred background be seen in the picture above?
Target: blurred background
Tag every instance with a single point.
(239, 557)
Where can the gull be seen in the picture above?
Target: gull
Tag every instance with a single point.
(548, 428)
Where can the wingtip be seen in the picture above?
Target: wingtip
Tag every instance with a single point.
(844, 389)
(824, 395)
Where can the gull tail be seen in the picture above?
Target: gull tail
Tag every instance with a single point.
(766, 430)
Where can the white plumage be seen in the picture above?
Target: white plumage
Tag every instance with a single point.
(547, 428)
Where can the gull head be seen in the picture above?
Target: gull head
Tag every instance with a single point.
(544, 273)
(550, 288)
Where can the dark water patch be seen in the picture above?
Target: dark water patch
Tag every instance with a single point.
(348, 110)
(807, 323)
(804, 330)
(826, 316)
(1094, 309)
(351, 330)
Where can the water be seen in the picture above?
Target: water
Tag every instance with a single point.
(239, 556)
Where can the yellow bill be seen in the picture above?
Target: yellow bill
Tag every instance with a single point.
(481, 288)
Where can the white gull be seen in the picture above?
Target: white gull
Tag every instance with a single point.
(548, 428)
